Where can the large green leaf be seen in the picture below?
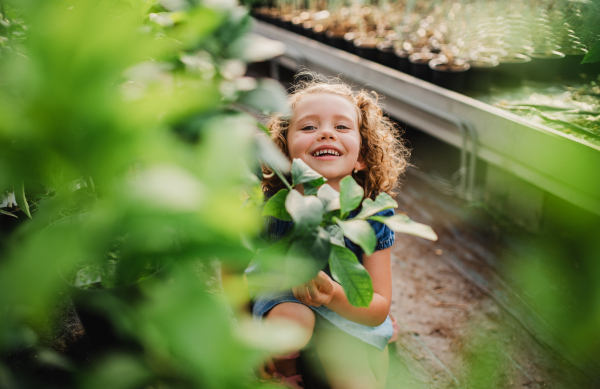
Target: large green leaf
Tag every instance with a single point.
(370, 207)
(330, 197)
(351, 194)
(336, 234)
(20, 196)
(285, 263)
(353, 277)
(316, 244)
(302, 173)
(307, 211)
(311, 188)
(270, 154)
(402, 223)
(292, 260)
(593, 55)
(359, 232)
(276, 206)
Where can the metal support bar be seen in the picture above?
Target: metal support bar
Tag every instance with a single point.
(274, 65)
(466, 186)
(297, 57)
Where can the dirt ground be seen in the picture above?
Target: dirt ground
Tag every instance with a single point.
(445, 316)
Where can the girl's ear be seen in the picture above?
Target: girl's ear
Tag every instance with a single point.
(360, 163)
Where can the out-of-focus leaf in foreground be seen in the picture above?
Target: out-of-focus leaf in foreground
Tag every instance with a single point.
(118, 117)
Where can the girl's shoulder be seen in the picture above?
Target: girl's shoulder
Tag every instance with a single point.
(385, 236)
(275, 229)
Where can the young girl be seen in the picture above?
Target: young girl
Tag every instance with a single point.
(338, 132)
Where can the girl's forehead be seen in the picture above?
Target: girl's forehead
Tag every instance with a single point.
(325, 103)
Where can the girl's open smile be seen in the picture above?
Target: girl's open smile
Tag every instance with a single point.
(326, 153)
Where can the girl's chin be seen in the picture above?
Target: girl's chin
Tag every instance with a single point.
(332, 176)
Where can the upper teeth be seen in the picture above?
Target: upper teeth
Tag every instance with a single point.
(326, 151)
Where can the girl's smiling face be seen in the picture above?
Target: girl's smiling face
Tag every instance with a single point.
(324, 133)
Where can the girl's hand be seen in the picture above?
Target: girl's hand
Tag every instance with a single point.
(316, 292)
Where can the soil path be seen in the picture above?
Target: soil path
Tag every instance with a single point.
(453, 334)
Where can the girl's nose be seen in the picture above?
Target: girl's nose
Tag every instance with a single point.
(327, 134)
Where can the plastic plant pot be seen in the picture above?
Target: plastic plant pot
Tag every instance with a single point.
(510, 70)
(451, 76)
(420, 65)
(335, 40)
(256, 14)
(479, 77)
(570, 67)
(402, 62)
(435, 50)
(545, 66)
(297, 26)
(489, 52)
(366, 48)
(349, 38)
(272, 17)
(386, 54)
(307, 29)
(318, 33)
(591, 70)
(286, 22)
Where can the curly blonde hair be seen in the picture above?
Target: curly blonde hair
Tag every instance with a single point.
(382, 149)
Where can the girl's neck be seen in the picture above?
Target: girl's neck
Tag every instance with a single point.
(335, 184)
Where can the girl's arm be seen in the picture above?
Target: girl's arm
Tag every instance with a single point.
(324, 291)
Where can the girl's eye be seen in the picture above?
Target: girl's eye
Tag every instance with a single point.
(341, 127)
(307, 128)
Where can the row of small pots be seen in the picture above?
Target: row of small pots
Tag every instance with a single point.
(477, 75)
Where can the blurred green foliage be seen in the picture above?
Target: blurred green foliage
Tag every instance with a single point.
(118, 120)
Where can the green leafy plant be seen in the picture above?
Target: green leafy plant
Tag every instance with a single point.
(321, 221)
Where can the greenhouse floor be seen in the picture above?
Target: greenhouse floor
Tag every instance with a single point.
(443, 301)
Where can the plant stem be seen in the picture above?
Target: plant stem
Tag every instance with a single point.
(281, 177)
